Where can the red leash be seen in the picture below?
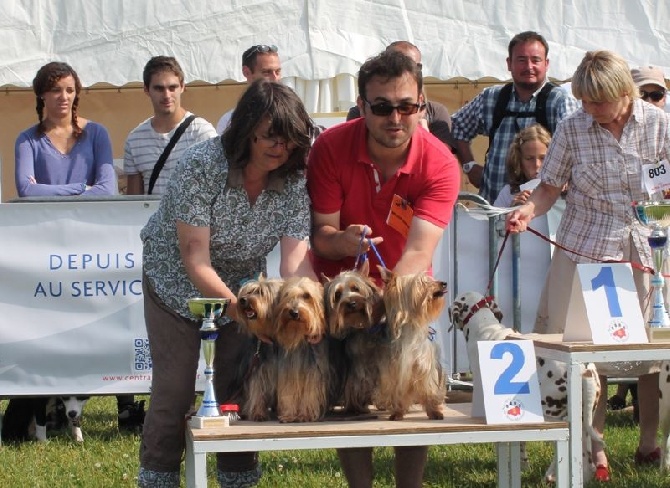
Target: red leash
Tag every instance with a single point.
(495, 268)
(644, 269)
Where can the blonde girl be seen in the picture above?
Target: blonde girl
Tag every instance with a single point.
(524, 161)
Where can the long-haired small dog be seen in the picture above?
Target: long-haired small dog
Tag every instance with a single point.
(255, 304)
(304, 369)
(30, 417)
(354, 310)
(410, 370)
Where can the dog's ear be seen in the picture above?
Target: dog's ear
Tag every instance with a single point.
(457, 311)
(365, 268)
(497, 313)
(261, 276)
(385, 273)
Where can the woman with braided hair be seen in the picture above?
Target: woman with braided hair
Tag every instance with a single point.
(66, 155)
(63, 154)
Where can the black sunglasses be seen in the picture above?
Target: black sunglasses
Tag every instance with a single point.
(656, 96)
(261, 48)
(384, 109)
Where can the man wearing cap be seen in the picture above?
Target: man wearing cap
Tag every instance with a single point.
(651, 82)
(259, 61)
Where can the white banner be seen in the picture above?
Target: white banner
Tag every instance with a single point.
(71, 305)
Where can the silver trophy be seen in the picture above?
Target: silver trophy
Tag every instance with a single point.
(208, 309)
(656, 216)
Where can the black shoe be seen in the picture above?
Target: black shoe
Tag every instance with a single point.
(131, 417)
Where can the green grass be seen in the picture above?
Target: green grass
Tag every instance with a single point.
(109, 459)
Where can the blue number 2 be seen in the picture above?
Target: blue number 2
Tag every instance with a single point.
(505, 385)
(605, 279)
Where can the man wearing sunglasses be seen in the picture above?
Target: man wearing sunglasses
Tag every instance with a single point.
(259, 61)
(377, 179)
(436, 117)
(651, 82)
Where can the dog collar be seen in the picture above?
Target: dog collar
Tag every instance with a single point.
(484, 302)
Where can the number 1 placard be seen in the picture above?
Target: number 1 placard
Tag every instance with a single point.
(604, 307)
(509, 382)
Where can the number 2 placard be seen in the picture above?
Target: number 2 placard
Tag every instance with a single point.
(509, 382)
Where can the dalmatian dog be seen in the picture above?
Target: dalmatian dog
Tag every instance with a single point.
(479, 317)
(664, 414)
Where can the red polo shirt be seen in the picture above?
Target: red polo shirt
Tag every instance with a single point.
(342, 177)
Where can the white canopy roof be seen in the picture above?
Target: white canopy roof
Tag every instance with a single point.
(111, 40)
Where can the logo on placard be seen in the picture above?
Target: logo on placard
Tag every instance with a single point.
(513, 409)
(618, 330)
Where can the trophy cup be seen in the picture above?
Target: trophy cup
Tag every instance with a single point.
(209, 309)
(656, 216)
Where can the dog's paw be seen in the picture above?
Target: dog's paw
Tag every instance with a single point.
(436, 415)
(397, 416)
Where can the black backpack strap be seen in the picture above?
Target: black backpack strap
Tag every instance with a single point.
(499, 110)
(168, 149)
(541, 105)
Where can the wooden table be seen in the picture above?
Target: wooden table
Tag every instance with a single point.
(574, 354)
(416, 430)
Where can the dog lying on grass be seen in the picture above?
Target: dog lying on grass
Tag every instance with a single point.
(28, 418)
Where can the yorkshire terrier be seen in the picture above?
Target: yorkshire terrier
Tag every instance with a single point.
(255, 303)
(304, 370)
(354, 310)
(410, 371)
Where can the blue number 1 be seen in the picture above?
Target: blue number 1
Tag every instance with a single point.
(606, 279)
(505, 385)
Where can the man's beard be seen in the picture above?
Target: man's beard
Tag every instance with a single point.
(529, 86)
(391, 143)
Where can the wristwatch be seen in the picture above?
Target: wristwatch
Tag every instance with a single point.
(467, 167)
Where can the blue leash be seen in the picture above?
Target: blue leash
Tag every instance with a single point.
(360, 257)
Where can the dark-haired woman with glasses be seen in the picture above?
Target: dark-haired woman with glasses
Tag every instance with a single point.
(228, 203)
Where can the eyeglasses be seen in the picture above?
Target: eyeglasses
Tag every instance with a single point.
(384, 109)
(655, 96)
(272, 142)
(260, 48)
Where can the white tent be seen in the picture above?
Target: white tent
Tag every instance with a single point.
(322, 42)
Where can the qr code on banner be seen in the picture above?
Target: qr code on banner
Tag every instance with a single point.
(142, 355)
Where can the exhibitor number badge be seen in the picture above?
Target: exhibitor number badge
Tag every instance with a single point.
(656, 176)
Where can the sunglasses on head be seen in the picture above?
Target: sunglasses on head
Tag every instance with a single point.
(655, 96)
(261, 48)
(384, 109)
